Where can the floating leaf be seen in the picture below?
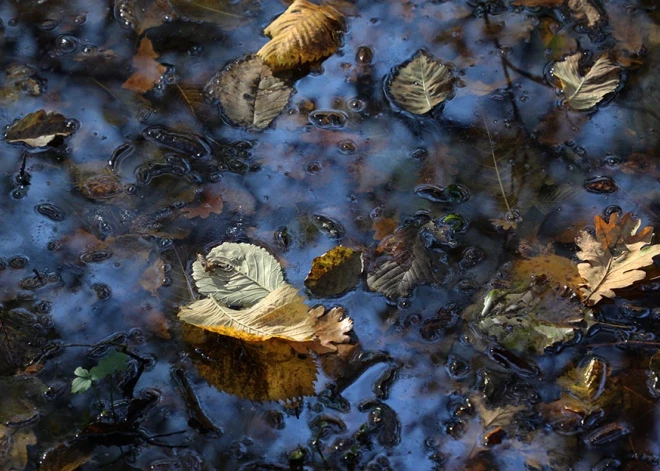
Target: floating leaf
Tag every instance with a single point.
(40, 128)
(614, 259)
(584, 10)
(420, 84)
(237, 274)
(305, 32)
(13, 447)
(147, 71)
(560, 270)
(264, 371)
(582, 92)
(331, 329)
(108, 365)
(83, 381)
(409, 260)
(281, 314)
(22, 339)
(249, 94)
(334, 272)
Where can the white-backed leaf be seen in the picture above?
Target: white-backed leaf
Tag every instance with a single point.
(249, 94)
(583, 92)
(237, 274)
(281, 314)
(421, 84)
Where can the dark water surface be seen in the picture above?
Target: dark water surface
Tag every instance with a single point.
(80, 266)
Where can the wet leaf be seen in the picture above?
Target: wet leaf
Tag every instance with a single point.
(582, 92)
(153, 277)
(587, 382)
(249, 94)
(305, 32)
(22, 339)
(531, 318)
(331, 328)
(237, 274)
(281, 314)
(228, 14)
(210, 204)
(83, 381)
(584, 10)
(264, 371)
(614, 259)
(420, 84)
(408, 262)
(146, 70)
(560, 270)
(66, 456)
(108, 365)
(334, 272)
(39, 129)
(13, 447)
(538, 3)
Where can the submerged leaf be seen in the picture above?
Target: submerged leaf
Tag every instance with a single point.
(334, 272)
(281, 314)
(116, 361)
(584, 10)
(249, 94)
(147, 71)
(410, 260)
(582, 92)
(305, 32)
(420, 84)
(39, 129)
(237, 274)
(13, 447)
(614, 259)
(228, 14)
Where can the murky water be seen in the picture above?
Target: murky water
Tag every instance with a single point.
(86, 223)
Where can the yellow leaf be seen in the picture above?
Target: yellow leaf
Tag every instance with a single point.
(305, 32)
(582, 92)
(147, 72)
(614, 258)
(281, 314)
(334, 272)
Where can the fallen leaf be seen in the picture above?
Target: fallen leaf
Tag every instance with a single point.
(281, 314)
(39, 129)
(538, 3)
(264, 371)
(407, 262)
(584, 10)
(305, 32)
(560, 270)
(249, 94)
(420, 84)
(334, 272)
(228, 14)
(582, 92)
(237, 274)
(22, 339)
(383, 227)
(331, 329)
(210, 204)
(614, 259)
(153, 277)
(13, 447)
(66, 456)
(147, 71)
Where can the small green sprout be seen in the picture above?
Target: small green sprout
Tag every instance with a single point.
(116, 361)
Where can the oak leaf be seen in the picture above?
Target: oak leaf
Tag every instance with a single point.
(420, 84)
(335, 272)
(147, 71)
(615, 258)
(305, 32)
(39, 129)
(582, 92)
(249, 94)
(331, 329)
(584, 10)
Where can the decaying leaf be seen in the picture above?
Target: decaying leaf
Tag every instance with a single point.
(249, 94)
(584, 10)
(420, 84)
(22, 339)
(410, 259)
(305, 32)
(237, 274)
(40, 128)
(146, 70)
(532, 318)
(210, 204)
(614, 259)
(331, 329)
(281, 314)
(582, 92)
(334, 272)
(264, 371)
(153, 277)
(13, 447)
(559, 270)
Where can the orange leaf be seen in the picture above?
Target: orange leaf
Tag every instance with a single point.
(147, 72)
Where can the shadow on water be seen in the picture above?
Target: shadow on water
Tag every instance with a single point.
(100, 228)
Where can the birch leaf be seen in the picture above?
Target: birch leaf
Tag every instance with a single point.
(420, 84)
(582, 92)
(305, 32)
(249, 94)
(281, 314)
(237, 274)
(613, 259)
(584, 10)
(39, 129)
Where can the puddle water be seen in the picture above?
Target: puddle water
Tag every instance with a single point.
(101, 226)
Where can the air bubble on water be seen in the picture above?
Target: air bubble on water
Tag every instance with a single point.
(364, 55)
(66, 44)
(48, 25)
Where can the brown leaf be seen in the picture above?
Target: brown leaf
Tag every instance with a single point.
(538, 3)
(153, 277)
(560, 270)
(334, 272)
(331, 329)
(305, 32)
(39, 129)
(584, 10)
(13, 447)
(582, 92)
(383, 227)
(210, 204)
(147, 72)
